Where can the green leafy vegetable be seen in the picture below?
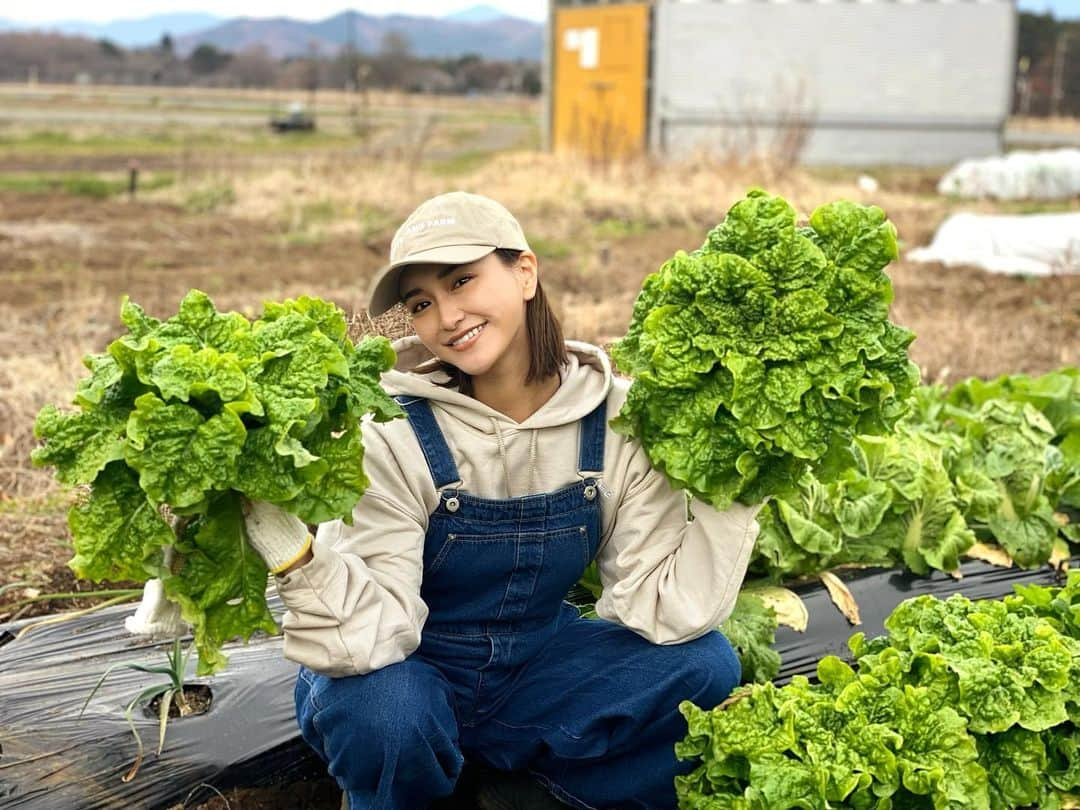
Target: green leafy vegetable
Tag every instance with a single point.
(961, 705)
(980, 462)
(999, 667)
(848, 741)
(763, 353)
(896, 505)
(186, 416)
(751, 629)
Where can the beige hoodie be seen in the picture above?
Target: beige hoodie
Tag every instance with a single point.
(356, 606)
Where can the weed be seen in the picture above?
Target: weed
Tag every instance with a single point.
(463, 163)
(79, 184)
(301, 238)
(167, 693)
(210, 198)
(620, 228)
(373, 220)
(550, 248)
(317, 212)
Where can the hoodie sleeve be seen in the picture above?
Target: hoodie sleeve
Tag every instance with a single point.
(356, 606)
(669, 576)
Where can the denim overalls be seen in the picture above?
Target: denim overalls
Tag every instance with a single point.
(506, 671)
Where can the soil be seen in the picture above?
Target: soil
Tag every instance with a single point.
(155, 252)
(197, 700)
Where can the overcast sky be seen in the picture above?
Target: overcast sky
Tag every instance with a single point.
(43, 11)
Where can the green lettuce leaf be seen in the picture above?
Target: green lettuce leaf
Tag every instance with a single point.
(222, 583)
(182, 457)
(81, 443)
(117, 531)
(751, 629)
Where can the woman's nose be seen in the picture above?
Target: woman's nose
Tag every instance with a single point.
(451, 317)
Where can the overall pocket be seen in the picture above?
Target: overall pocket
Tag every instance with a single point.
(487, 577)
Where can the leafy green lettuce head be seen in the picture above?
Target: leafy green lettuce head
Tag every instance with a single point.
(187, 416)
(763, 353)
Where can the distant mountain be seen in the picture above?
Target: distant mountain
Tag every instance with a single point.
(126, 33)
(503, 37)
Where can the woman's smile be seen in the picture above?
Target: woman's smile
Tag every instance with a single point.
(466, 339)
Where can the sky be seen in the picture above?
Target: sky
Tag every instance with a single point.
(1062, 9)
(45, 11)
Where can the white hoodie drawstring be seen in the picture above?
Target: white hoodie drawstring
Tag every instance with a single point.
(506, 463)
(502, 455)
(532, 463)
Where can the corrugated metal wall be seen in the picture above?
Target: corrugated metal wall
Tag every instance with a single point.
(880, 82)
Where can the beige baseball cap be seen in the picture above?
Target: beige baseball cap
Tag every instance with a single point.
(453, 228)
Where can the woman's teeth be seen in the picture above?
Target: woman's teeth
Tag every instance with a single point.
(468, 335)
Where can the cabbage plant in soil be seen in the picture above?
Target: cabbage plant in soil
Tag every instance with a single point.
(986, 461)
(182, 418)
(961, 705)
(764, 352)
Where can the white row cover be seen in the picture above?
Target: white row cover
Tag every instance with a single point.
(1051, 174)
(1030, 244)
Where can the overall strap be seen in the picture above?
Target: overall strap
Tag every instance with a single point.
(591, 434)
(432, 442)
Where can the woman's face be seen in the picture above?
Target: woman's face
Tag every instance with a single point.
(471, 315)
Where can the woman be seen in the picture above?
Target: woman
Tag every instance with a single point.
(434, 627)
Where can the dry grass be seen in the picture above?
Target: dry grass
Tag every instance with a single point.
(40, 360)
(1032, 124)
(100, 95)
(553, 196)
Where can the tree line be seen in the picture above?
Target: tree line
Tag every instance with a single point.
(1047, 66)
(1047, 73)
(51, 57)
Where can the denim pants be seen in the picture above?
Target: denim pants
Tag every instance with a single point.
(506, 672)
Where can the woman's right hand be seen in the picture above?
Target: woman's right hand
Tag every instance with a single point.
(279, 537)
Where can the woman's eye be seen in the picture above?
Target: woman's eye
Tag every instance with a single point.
(461, 281)
(418, 307)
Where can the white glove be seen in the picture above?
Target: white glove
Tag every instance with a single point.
(280, 537)
(156, 616)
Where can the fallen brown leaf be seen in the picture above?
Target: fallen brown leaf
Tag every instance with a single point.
(841, 597)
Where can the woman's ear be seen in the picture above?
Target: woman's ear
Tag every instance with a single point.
(528, 269)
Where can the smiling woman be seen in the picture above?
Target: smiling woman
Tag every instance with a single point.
(479, 318)
(487, 320)
(434, 628)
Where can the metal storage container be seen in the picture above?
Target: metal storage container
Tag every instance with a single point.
(853, 82)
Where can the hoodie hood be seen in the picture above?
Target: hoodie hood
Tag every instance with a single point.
(586, 382)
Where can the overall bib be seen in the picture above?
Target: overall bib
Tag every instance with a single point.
(507, 672)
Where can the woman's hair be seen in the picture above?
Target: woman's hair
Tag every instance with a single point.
(547, 351)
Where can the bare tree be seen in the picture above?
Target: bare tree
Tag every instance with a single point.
(252, 67)
(394, 59)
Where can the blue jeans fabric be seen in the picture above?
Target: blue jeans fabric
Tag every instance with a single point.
(506, 672)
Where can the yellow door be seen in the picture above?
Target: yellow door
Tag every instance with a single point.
(601, 68)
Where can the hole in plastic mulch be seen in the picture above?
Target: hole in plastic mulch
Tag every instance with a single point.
(197, 700)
